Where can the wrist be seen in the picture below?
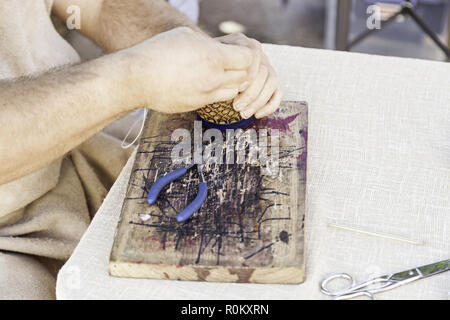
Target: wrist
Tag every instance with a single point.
(141, 73)
(124, 88)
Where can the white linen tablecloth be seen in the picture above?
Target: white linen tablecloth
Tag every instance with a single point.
(378, 160)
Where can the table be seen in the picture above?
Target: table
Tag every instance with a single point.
(378, 160)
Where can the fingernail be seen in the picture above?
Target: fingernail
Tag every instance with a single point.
(243, 86)
(246, 114)
(240, 106)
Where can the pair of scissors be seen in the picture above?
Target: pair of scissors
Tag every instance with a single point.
(382, 283)
(192, 207)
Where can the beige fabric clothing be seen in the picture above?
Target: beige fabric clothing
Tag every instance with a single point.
(44, 214)
(24, 277)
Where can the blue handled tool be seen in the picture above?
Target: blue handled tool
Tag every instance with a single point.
(168, 178)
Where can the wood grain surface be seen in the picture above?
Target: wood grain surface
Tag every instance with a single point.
(251, 227)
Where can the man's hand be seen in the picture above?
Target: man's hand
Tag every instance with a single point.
(262, 95)
(182, 70)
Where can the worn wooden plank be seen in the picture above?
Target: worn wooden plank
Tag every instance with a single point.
(250, 229)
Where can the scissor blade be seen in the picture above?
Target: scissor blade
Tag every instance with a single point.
(435, 268)
(422, 272)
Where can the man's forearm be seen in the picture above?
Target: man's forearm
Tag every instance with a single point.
(125, 23)
(44, 118)
(118, 24)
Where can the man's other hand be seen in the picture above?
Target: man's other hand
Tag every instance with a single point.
(262, 95)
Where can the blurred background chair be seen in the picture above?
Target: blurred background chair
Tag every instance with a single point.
(414, 28)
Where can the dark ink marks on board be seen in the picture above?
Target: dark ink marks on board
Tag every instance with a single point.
(284, 236)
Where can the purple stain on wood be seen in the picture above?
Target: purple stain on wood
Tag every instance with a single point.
(304, 134)
(301, 158)
(282, 124)
(278, 123)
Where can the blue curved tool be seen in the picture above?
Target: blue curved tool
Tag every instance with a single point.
(171, 176)
(194, 205)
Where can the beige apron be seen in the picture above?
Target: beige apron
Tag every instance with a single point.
(44, 214)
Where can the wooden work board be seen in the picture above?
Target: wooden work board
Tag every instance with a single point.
(251, 226)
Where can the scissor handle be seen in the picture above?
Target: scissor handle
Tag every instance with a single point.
(352, 291)
(194, 205)
(324, 283)
(366, 288)
(162, 182)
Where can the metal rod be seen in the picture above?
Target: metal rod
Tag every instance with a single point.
(381, 235)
